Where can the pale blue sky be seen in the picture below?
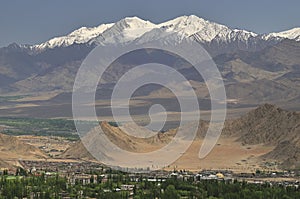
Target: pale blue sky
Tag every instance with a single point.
(35, 21)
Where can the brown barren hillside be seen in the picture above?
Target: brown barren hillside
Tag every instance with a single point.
(12, 149)
(119, 138)
(269, 124)
(287, 150)
(267, 133)
(77, 151)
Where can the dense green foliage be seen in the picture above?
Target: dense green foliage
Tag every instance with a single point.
(41, 127)
(37, 187)
(57, 187)
(11, 98)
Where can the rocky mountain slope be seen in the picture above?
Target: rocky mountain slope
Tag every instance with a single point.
(256, 68)
(24, 66)
(119, 138)
(12, 149)
(266, 125)
(271, 126)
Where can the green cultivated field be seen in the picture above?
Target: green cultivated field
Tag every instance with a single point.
(11, 98)
(40, 127)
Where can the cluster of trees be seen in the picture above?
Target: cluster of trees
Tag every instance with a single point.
(233, 190)
(57, 187)
(10, 98)
(40, 127)
(32, 187)
(44, 127)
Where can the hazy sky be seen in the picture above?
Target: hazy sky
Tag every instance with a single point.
(35, 21)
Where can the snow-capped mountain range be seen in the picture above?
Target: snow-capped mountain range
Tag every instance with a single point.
(133, 28)
(255, 67)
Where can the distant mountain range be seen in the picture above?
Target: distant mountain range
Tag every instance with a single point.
(134, 28)
(256, 68)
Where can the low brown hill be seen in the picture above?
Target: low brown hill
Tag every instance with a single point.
(119, 138)
(272, 126)
(77, 151)
(4, 165)
(266, 125)
(287, 150)
(127, 142)
(12, 149)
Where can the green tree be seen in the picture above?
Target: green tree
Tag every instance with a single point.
(170, 192)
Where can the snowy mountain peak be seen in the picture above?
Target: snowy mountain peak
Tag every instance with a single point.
(79, 36)
(125, 30)
(204, 30)
(288, 34)
(133, 28)
(134, 22)
(188, 25)
(246, 32)
(182, 21)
